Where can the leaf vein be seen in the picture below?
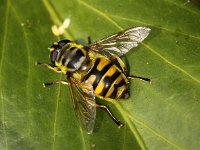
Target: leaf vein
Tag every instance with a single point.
(172, 64)
(158, 27)
(123, 144)
(82, 137)
(131, 125)
(28, 81)
(55, 17)
(181, 6)
(153, 131)
(101, 13)
(1, 66)
(56, 116)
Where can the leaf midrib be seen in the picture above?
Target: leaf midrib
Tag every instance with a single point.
(1, 66)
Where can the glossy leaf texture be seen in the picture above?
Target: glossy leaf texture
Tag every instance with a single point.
(161, 115)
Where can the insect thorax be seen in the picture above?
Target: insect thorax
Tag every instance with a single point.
(74, 57)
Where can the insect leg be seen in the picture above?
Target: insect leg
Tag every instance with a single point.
(111, 115)
(141, 78)
(89, 40)
(56, 69)
(56, 82)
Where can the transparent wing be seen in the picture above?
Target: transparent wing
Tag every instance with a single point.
(122, 42)
(84, 103)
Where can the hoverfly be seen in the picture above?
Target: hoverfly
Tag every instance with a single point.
(95, 70)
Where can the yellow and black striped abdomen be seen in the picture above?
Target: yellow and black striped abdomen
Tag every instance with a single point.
(107, 79)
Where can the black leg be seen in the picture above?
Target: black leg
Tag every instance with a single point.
(111, 115)
(89, 40)
(56, 82)
(141, 78)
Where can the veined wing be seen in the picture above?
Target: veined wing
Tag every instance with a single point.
(122, 42)
(84, 103)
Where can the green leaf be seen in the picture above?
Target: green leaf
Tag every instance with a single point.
(163, 114)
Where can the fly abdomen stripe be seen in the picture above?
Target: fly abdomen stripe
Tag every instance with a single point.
(114, 93)
(116, 87)
(108, 82)
(122, 82)
(93, 69)
(98, 73)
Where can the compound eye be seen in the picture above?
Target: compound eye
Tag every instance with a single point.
(63, 42)
(53, 56)
(54, 51)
